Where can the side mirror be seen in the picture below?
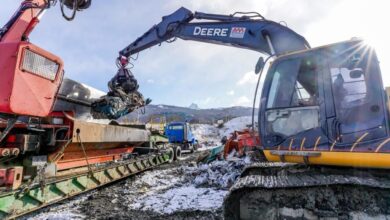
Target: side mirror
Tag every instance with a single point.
(259, 65)
(353, 61)
(355, 74)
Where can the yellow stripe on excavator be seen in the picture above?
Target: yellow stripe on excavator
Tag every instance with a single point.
(351, 159)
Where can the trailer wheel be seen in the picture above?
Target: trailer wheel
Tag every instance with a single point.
(193, 147)
(196, 146)
(171, 154)
(177, 151)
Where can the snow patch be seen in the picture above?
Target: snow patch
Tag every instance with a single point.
(184, 198)
(206, 134)
(65, 211)
(236, 124)
(188, 187)
(62, 215)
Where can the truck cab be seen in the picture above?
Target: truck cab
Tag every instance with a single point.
(180, 133)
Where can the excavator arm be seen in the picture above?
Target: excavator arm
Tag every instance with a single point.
(246, 31)
(243, 30)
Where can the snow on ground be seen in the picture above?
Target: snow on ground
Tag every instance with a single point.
(179, 187)
(66, 210)
(197, 188)
(236, 124)
(206, 134)
(185, 198)
(210, 135)
(60, 215)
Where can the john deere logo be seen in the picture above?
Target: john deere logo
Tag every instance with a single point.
(237, 32)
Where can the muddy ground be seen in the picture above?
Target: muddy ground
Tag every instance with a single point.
(181, 190)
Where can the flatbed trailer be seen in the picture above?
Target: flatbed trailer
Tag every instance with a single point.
(49, 159)
(31, 198)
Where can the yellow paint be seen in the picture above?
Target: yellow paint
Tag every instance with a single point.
(381, 145)
(317, 142)
(334, 142)
(358, 141)
(302, 143)
(291, 142)
(351, 159)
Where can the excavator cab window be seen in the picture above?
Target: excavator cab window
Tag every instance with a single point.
(292, 105)
(294, 84)
(357, 93)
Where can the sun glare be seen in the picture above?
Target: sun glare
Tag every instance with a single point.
(367, 20)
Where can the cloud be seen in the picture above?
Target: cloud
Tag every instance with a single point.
(248, 78)
(242, 101)
(231, 92)
(205, 102)
(150, 81)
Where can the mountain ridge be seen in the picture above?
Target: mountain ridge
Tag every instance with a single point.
(167, 113)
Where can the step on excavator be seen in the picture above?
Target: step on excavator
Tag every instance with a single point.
(323, 119)
(48, 151)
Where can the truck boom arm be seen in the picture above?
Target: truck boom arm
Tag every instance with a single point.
(22, 23)
(249, 32)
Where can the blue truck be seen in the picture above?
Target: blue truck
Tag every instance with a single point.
(180, 135)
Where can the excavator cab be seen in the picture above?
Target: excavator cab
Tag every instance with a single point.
(30, 79)
(329, 98)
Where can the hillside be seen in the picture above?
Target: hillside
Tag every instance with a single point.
(158, 113)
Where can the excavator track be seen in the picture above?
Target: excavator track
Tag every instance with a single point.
(291, 191)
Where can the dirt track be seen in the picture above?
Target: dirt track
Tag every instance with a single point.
(113, 202)
(181, 190)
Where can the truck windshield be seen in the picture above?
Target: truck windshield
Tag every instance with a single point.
(176, 127)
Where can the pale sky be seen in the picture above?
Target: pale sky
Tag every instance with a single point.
(187, 72)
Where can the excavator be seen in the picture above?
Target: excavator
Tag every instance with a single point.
(323, 119)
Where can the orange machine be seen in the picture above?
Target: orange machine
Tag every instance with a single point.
(241, 142)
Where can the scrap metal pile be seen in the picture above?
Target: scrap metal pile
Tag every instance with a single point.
(123, 97)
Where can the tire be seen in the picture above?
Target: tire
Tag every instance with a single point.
(196, 146)
(171, 154)
(177, 151)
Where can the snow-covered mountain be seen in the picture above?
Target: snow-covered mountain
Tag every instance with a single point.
(194, 106)
(158, 113)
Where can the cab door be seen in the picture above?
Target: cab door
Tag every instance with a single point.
(357, 94)
(292, 109)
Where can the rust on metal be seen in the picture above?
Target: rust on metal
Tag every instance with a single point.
(101, 133)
